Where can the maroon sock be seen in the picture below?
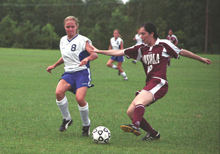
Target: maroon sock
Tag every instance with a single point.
(146, 126)
(138, 115)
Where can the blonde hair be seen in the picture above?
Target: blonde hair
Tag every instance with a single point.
(73, 18)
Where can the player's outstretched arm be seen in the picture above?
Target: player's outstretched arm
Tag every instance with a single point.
(110, 52)
(189, 54)
(59, 62)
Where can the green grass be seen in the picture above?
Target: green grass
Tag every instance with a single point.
(187, 117)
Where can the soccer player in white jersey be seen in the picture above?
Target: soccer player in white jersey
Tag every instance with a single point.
(116, 43)
(138, 40)
(153, 54)
(76, 54)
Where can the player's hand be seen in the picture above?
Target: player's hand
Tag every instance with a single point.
(49, 68)
(206, 61)
(84, 62)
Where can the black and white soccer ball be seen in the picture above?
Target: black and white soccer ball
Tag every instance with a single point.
(101, 134)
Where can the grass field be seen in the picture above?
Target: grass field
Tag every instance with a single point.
(187, 117)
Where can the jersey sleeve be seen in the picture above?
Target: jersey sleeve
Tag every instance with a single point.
(133, 52)
(85, 39)
(175, 39)
(171, 49)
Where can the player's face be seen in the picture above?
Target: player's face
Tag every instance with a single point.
(116, 34)
(170, 32)
(71, 28)
(145, 36)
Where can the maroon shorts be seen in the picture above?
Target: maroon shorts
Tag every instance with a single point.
(157, 86)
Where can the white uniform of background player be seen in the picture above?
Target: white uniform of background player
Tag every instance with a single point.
(138, 40)
(116, 43)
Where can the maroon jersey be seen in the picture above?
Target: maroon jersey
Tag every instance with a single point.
(172, 38)
(154, 59)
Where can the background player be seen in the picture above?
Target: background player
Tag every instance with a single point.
(76, 54)
(138, 40)
(116, 43)
(153, 54)
(172, 38)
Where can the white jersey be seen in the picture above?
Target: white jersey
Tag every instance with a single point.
(116, 44)
(138, 39)
(73, 52)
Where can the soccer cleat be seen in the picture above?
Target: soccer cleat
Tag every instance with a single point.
(125, 78)
(86, 131)
(134, 62)
(119, 73)
(150, 137)
(131, 128)
(65, 124)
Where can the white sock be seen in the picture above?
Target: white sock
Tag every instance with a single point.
(114, 66)
(84, 112)
(123, 74)
(63, 105)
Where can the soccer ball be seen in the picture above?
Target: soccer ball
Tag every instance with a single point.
(101, 134)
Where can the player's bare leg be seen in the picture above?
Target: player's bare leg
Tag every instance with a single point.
(62, 87)
(83, 109)
(136, 112)
(110, 64)
(62, 102)
(121, 71)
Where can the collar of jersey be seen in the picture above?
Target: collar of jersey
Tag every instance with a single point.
(72, 38)
(156, 43)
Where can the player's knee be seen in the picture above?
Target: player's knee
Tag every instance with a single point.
(109, 65)
(80, 100)
(59, 94)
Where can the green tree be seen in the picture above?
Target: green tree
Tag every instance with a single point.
(161, 27)
(96, 14)
(3, 11)
(188, 16)
(122, 22)
(49, 39)
(27, 35)
(98, 19)
(7, 32)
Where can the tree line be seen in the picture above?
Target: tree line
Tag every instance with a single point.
(38, 24)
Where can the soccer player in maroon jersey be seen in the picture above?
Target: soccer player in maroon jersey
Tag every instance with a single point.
(153, 54)
(172, 38)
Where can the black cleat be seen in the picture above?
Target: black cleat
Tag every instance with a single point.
(133, 61)
(131, 128)
(86, 131)
(150, 137)
(65, 124)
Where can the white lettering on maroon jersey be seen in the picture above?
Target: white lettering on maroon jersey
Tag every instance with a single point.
(151, 59)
